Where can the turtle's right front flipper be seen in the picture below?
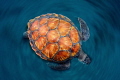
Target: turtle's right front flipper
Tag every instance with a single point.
(84, 30)
(59, 66)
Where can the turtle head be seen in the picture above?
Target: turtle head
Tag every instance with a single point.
(87, 60)
(84, 58)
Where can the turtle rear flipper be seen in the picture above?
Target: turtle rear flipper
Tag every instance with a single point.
(25, 35)
(59, 66)
(84, 30)
(82, 57)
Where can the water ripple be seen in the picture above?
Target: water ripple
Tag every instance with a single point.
(19, 62)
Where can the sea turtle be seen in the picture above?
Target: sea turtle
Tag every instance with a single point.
(57, 40)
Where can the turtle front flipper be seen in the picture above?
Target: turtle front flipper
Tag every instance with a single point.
(59, 66)
(83, 57)
(25, 34)
(84, 30)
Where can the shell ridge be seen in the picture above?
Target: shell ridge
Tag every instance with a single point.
(57, 41)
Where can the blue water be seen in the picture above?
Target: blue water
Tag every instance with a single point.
(19, 62)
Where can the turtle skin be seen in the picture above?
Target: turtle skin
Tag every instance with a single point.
(54, 37)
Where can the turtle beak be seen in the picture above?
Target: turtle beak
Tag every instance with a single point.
(87, 60)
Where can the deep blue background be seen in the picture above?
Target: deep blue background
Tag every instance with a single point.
(19, 62)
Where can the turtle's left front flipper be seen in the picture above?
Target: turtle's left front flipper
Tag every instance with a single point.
(59, 66)
(84, 30)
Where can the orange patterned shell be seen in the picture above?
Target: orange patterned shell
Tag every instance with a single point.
(53, 37)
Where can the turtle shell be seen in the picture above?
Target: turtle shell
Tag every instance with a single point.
(53, 37)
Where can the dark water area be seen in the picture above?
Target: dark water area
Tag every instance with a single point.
(19, 62)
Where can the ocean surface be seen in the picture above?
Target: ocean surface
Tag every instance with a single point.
(19, 62)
